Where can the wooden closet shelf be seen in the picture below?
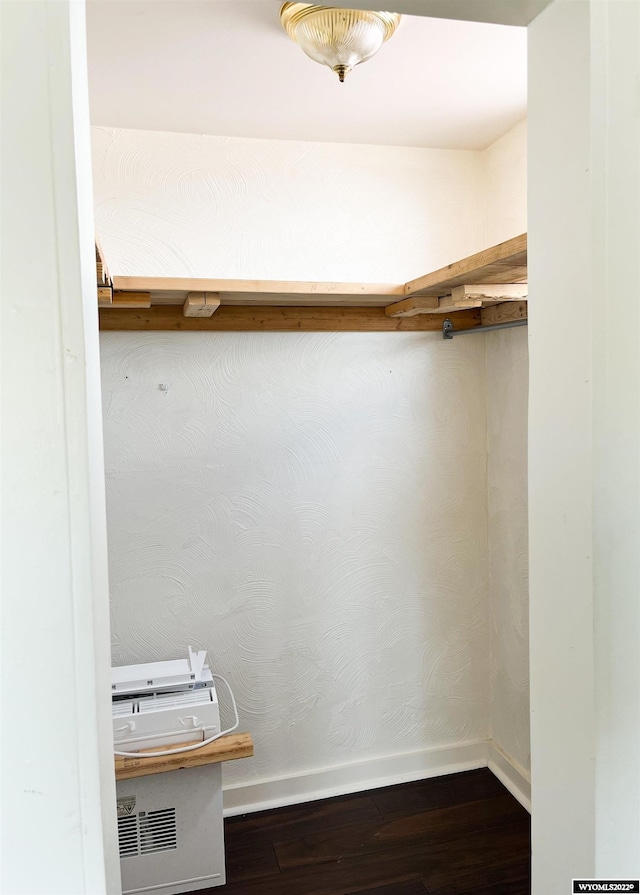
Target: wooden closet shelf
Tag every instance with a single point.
(273, 305)
(502, 263)
(232, 318)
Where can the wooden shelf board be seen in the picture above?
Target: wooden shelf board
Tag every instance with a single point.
(502, 263)
(412, 306)
(277, 319)
(263, 291)
(228, 748)
(504, 313)
(277, 300)
(289, 305)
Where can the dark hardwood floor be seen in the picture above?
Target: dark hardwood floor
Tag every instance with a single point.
(462, 834)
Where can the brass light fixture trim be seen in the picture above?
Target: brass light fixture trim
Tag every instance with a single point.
(339, 38)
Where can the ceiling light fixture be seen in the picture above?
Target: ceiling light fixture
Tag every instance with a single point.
(339, 38)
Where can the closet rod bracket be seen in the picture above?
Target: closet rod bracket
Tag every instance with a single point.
(448, 331)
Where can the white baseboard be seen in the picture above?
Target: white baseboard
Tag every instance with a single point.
(510, 774)
(242, 798)
(245, 798)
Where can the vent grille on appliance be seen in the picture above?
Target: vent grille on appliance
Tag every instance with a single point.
(174, 700)
(147, 832)
(128, 836)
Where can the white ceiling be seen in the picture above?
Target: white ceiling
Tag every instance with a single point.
(226, 67)
(500, 12)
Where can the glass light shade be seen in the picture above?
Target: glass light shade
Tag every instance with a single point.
(339, 38)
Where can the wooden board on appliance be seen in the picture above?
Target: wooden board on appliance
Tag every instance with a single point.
(227, 748)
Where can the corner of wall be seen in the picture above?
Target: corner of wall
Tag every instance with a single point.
(504, 173)
(504, 170)
(510, 773)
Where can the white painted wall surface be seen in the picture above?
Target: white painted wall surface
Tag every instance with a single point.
(584, 196)
(504, 175)
(560, 449)
(507, 391)
(505, 215)
(616, 446)
(311, 509)
(58, 792)
(189, 205)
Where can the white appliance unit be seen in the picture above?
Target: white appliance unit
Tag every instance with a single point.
(164, 703)
(170, 831)
(170, 825)
(165, 719)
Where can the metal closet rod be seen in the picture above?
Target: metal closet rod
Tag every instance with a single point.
(448, 332)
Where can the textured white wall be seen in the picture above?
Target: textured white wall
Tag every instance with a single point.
(189, 205)
(315, 507)
(507, 392)
(505, 185)
(312, 510)
(504, 173)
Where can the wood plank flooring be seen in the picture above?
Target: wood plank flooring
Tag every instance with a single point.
(462, 834)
